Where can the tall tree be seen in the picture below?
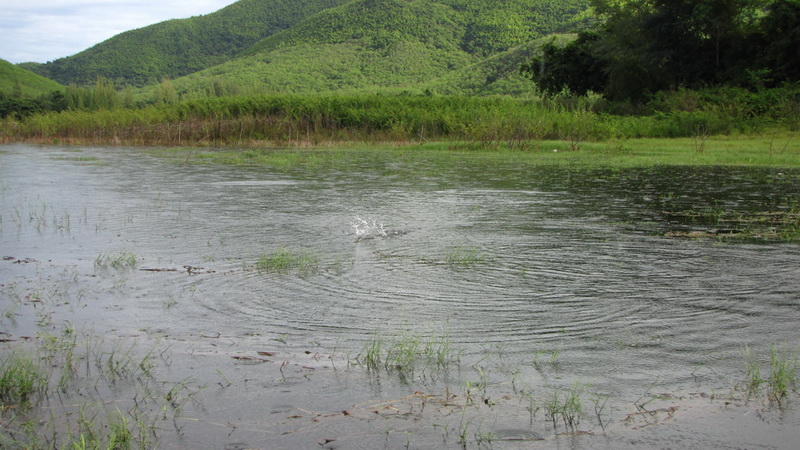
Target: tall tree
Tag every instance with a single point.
(573, 68)
(781, 35)
(165, 93)
(650, 45)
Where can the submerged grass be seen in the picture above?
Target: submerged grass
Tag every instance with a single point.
(463, 256)
(283, 260)
(408, 354)
(781, 377)
(114, 399)
(116, 261)
(566, 407)
(776, 224)
(782, 374)
(22, 382)
(54, 393)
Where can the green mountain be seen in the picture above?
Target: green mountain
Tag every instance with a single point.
(18, 82)
(330, 45)
(400, 44)
(179, 47)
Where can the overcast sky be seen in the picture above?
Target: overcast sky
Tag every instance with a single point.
(44, 30)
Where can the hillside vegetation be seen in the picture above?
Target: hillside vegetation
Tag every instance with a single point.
(498, 74)
(180, 47)
(318, 45)
(18, 82)
(391, 44)
(23, 93)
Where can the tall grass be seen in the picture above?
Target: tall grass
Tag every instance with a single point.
(408, 354)
(304, 120)
(22, 382)
(782, 374)
(781, 377)
(567, 409)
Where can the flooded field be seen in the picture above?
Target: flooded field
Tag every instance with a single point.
(397, 300)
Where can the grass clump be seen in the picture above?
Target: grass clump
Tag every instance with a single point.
(283, 260)
(780, 380)
(120, 435)
(753, 378)
(116, 261)
(408, 354)
(22, 382)
(566, 408)
(399, 356)
(782, 374)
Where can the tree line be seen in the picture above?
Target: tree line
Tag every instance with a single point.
(103, 95)
(640, 47)
(20, 107)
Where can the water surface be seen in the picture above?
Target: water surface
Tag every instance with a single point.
(574, 282)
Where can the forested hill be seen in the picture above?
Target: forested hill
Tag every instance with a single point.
(394, 44)
(479, 27)
(301, 45)
(20, 83)
(179, 47)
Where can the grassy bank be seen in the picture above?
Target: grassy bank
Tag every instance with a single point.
(490, 123)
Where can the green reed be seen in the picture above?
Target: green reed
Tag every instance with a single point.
(324, 120)
(566, 407)
(22, 382)
(780, 379)
(408, 354)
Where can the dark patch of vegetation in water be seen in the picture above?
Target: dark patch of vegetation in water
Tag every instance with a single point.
(737, 225)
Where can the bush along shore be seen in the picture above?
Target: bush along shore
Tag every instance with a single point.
(488, 122)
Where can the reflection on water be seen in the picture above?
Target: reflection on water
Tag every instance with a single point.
(574, 266)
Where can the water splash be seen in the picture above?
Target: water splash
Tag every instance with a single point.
(367, 228)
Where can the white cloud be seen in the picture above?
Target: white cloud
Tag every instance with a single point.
(44, 30)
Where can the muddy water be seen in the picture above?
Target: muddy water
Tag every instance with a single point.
(572, 282)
